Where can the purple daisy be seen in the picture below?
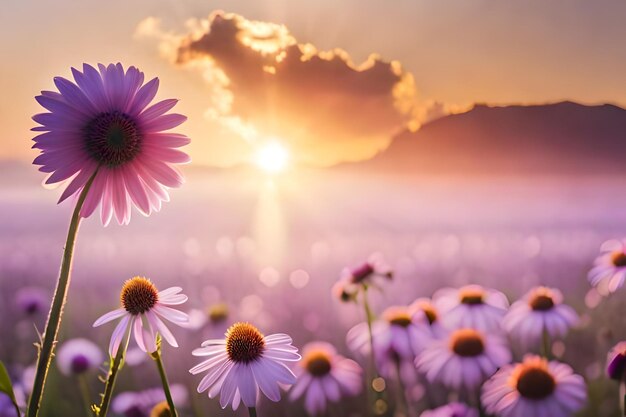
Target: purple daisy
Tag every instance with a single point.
(464, 359)
(451, 410)
(32, 300)
(534, 387)
(325, 376)
(616, 362)
(143, 308)
(540, 310)
(100, 131)
(397, 338)
(428, 314)
(244, 362)
(471, 306)
(78, 356)
(609, 271)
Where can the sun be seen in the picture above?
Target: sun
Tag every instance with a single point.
(272, 158)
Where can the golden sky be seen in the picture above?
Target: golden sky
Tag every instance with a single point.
(332, 81)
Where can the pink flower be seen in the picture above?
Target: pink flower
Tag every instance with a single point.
(471, 306)
(325, 376)
(609, 271)
(540, 310)
(616, 362)
(244, 362)
(397, 338)
(143, 308)
(464, 359)
(428, 314)
(101, 127)
(534, 387)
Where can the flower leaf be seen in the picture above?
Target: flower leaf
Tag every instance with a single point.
(7, 387)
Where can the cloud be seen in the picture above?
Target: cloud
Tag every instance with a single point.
(265, 85)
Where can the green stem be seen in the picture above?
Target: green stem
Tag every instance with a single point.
(369, 316)
(56, 309)
(252, 411)
(116, 365)
(403, 400)
(84, 391)
(166, 386)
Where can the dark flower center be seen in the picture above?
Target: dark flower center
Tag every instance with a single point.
(317, 363)
(244, 343)
(535, 383)
(467, 343)
(430, 313)
(472, 296)
(112, 138)
(541, 302)
(138, 295)
(79, 364)
(400, 319)
(361, 273)
(619, 259)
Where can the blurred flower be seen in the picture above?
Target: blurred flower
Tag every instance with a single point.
(77, 356)
(540, 310)
(242, 363)
(102, 126)
(143, 307)
(609, 269)
(428, 314)
(397, 338)
(32, 300)
(471, 306)
(218, 313)
(325, 376)
(451, 410)
(141, 403)
(369, 273)
(464, 359)
(616, 363)
(161, 410)
(534, 387)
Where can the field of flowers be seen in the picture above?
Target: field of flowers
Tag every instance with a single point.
(315, 293)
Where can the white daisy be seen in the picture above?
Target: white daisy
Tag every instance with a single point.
(143, 308)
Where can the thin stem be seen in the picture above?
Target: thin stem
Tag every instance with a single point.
(115, 366)
(56, 309)
(84, 392)
(404, 401)
(166, 386)
(622, 396)
(252, 411)
(369, 316)
(545, 345)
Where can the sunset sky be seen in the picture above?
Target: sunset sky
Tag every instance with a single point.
(331, 81)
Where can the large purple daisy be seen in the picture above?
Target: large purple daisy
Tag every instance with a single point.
(101, 132)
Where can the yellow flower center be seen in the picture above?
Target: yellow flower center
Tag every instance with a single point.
(218, 312)
(317, 363)
(138, 295)
(244, 343)
(161, 410)
(467, 343)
